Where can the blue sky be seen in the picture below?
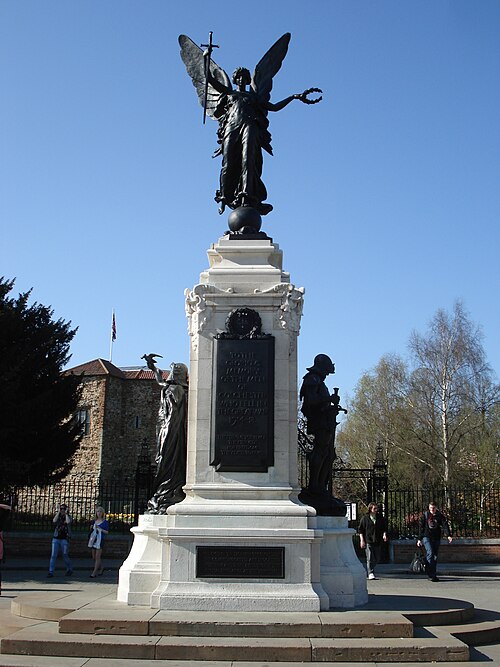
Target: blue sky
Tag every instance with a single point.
(386, 195)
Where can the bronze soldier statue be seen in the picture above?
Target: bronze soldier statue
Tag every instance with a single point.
(320, 408)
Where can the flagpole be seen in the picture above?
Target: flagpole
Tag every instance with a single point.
(112, 335)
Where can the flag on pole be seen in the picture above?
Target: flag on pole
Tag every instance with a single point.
(113, 327)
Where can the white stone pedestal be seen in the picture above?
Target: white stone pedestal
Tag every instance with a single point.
(240, 523)
(342, 575)
(141, 571)
(250, 513)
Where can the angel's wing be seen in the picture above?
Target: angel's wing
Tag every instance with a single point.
(268, 66)
(192, 57)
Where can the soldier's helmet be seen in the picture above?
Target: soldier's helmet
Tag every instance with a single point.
(322, 365)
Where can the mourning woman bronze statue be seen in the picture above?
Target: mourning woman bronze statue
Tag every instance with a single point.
(242, 116)
(171, 437)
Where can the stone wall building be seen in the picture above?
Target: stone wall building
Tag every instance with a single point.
(118, 412)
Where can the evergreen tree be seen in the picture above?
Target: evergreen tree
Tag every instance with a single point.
(37, 435)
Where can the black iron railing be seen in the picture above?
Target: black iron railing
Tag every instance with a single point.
(471, 512)
(35, 506)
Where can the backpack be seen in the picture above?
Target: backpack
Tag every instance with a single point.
(419, 564)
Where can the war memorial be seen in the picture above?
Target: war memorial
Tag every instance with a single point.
(232, 534)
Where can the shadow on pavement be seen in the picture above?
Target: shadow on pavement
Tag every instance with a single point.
(410, 603)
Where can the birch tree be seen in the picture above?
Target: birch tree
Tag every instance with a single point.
(436, 413)
(447, 384)
(379, 413)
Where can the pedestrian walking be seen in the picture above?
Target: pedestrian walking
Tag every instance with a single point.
(432, 526)
(372, 534)
(99, 530)
(4, 515)
(60, 540)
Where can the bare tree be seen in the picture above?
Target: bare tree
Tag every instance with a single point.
(437, 415)
(447, 388)
(380, 412)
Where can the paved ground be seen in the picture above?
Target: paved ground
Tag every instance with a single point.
(394, 590)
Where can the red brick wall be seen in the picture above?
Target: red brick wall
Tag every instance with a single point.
(37, 545)
(459, 551)
(26, 545)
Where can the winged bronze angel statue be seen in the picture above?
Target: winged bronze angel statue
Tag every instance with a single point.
(242, 116)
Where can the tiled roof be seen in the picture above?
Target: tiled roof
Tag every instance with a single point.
(142, 374)
(97, 367)
(104, 367)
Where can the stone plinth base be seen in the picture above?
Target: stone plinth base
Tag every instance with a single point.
(161, 570)
(164, 569)
(140, 573)
(342, 575)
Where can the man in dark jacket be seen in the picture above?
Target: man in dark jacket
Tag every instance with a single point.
(372, 533)
(432, 526)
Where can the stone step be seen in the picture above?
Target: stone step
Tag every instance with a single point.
(482, 630)
(44, 639)
(477, 634)
(458, 611)
(53, 605)
(43, 661)
(47, 661)
(130, 621)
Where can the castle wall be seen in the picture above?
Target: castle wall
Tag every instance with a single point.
(123, 414)
(130, 418)
(87, 457)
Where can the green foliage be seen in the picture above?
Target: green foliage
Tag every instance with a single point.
(436, 414)
(379, 413)
(37, 436)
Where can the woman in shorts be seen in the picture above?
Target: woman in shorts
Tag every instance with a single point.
(99, 529)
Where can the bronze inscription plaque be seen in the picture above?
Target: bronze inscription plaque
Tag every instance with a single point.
(242, 434)
(240, 562)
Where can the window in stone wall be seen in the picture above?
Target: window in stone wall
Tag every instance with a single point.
(137, 421)
(83, 419)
